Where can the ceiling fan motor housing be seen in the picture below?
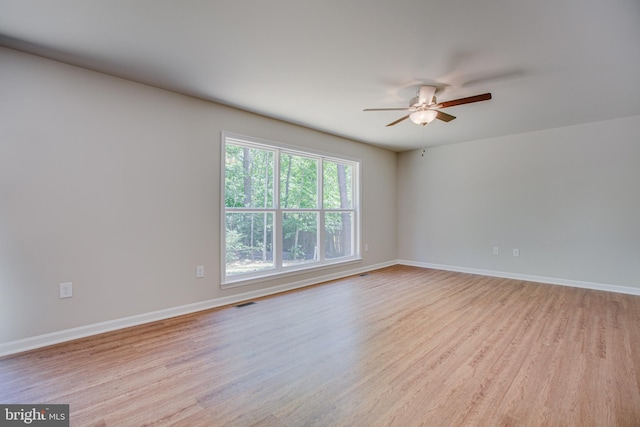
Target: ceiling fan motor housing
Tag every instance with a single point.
(425, 94)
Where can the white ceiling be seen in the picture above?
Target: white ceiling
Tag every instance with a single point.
(548, 63)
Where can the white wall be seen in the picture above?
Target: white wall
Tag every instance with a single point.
(115, 186)
(568, 198)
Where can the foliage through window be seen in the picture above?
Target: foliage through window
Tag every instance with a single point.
(285, 209)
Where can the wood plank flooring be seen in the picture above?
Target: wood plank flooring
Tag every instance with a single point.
(401, 346)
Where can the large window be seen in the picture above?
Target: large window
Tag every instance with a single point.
(285, 209)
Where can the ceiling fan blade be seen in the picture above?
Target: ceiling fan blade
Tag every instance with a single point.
(468, 100)
(386, 109)
(398, 121)
(444, 116)
(485, 78)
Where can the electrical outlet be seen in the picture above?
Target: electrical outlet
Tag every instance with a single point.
(66, 290)
(200, 271)
(516, 252)
(496, 250)
(366, 247)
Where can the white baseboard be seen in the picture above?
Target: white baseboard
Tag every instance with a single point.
(526, 277)
(18, 346)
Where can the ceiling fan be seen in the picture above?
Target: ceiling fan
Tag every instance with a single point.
(423, 107)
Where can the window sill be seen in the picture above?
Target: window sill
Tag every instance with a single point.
(237, 282)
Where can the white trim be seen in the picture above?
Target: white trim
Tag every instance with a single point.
(526, 277)
(39, 341)
(293, 149)
(289, 271)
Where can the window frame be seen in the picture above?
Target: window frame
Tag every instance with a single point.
(279, 270)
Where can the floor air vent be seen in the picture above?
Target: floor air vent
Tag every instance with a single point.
(244, 304)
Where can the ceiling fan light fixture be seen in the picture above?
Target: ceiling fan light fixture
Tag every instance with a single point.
(423, 117)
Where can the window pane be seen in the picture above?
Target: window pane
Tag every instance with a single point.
(248, 177)
(298, 182)
(278, 215)
(338, 238)
(299, 238)
(249, 242)
(337, 185)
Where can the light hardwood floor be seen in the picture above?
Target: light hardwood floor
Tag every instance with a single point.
(402, 346)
